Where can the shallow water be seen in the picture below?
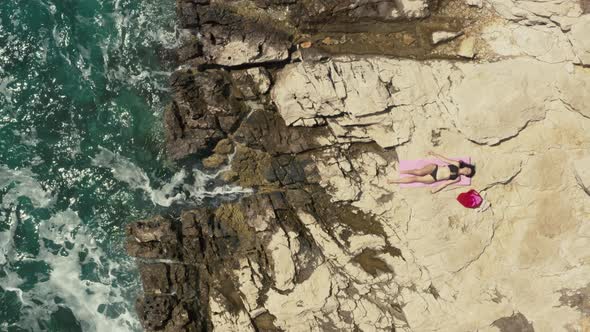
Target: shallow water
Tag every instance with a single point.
(82, 87)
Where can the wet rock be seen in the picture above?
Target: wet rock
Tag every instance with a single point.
(205, 110)
(214, 161)
(165, 313)
(231, 40)
(252, 82)
(187, 14)
(186, 281)
(172, 283)
(267, 131)
(252, 167)
(265, 322)
(154, 278)
(224, 147)
(270, 3)
(154, 238)
(287, 170)
(155, 311)
(189, 51)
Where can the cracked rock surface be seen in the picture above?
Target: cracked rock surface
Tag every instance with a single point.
(312, 103)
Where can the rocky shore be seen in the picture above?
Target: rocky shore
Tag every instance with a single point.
(312, 103)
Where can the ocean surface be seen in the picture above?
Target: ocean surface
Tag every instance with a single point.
(83, 84)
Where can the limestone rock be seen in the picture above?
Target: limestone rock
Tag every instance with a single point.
(414, 8)
(303, 92)
(516, 116)
(535, 12)
(546, 43)
(500, 117)
(354, 11)
(310, 296)
(443, 36)
(284, 267)
(475, 3)
(225, 318)
(467, 48)
(514, 105)
(580, 40)
(582, 172)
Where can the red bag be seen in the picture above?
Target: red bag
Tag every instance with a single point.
(470, 199)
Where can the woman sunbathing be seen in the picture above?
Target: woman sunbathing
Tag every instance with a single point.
(432, 173)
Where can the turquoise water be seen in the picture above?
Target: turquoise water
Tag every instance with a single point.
(82, 88)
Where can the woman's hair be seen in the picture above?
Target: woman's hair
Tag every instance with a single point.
(471, 167)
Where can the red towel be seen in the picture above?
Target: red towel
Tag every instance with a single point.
(470, 199)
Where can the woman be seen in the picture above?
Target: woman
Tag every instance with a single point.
(432, 173)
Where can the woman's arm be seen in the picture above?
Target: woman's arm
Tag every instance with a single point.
(443, 186)
(445, 159)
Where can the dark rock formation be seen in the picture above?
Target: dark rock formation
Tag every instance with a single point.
(206, 108)
(266, 130)
(171, 267)
(230, 38)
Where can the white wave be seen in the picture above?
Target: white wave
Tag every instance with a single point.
(5, 88)
(23, 184)
(18, 184)
(28, 136)
(126, 171)
(201, 180)
(174, 190)
(64, 229)
(83, 297)
(7, 239)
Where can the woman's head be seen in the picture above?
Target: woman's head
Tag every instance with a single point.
(467, 170)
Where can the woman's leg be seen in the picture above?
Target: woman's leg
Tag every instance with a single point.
(420, 171)
(410, 179)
